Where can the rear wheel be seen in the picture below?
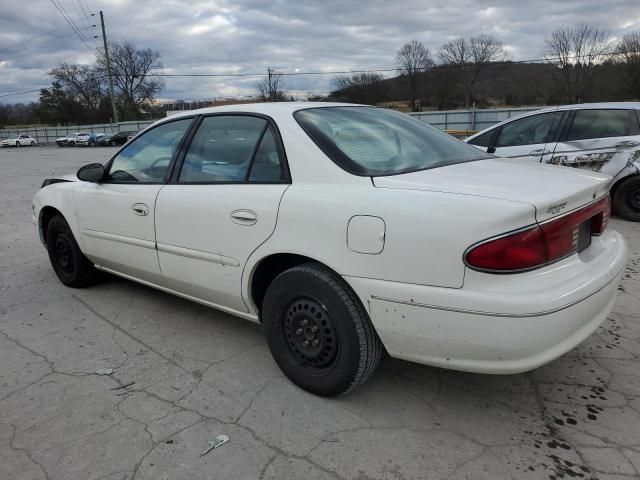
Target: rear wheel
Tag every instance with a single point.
(18, 144)
(71, 266)
(318, 332)
(627, 199)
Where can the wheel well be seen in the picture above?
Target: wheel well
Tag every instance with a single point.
(268, 269)
(615, 186)
(46, 215)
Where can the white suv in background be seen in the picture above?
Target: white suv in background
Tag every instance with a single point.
(603, 137)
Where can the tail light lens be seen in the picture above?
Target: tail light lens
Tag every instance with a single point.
(539, 245)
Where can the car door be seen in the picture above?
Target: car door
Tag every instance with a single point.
(220, 206)
(116, 216)
(596, 138)
(528, 138)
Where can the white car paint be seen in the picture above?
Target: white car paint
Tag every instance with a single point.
(19, 141)
(615, 155)
(398, 241)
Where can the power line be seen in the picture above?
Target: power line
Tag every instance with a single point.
(51, 42)
(71, 23)
(222, 75)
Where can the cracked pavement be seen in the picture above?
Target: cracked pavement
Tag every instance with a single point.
(184, 373)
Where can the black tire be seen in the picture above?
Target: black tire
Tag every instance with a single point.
(33, 144)
(626, 200)
(71, 144)
(91, 143)
(113, 144)
(311, 304)
(18, 144)
(71, 266)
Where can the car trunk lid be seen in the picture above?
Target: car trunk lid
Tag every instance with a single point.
(550, 189)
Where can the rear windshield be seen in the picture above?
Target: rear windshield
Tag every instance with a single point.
(370, 141)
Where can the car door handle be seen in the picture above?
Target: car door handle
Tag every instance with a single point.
(140, 209)
(539, 152)
(244, 217)
(627, 144)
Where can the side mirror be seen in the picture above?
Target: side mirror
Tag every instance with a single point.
(94, 172)
(491, 149)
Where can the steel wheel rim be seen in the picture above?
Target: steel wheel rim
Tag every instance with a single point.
(310, 335)
(64, 254)
(634, 199)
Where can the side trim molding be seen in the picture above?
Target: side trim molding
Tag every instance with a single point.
(112, 237)
(198, 255)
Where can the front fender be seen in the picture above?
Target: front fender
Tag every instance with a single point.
(59, 196)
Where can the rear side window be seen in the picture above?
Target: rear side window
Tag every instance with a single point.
(228, 148)
(589, 124)
(530, 130)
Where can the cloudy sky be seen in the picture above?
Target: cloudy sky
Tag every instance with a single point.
(246, 36)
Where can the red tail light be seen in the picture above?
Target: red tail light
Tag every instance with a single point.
(542, 244)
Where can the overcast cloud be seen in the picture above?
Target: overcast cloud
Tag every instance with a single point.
(236, 36)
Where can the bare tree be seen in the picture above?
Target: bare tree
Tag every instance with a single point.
(364, 87)
(82, 82)
(131, 68)
(270, 87)
(412, 60)
(469, 58)
(577, 51)
(628, 50)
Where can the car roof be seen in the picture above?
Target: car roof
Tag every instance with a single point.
(266, 108)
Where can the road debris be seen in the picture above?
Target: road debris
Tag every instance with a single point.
(104, 371)
(218, 441)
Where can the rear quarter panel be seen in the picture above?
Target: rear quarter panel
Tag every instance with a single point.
(426, 234)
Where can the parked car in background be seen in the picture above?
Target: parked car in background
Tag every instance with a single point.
(346, 230)
(19, 141)
(73, 139)
(90, 141)
(602, 137)
(116, 139)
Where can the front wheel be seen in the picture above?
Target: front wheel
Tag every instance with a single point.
(318, 332)
(71, 266)
(33, 144)
(18, 144)
(626, 200)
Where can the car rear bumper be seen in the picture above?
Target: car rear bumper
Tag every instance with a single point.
(499, 323)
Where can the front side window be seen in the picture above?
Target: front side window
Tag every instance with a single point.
(228, 148)
(370, 141)
(588, 124)
(483, 140)
(146, 159)
(529, 130)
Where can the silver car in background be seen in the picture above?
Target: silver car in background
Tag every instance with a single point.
(603, 137)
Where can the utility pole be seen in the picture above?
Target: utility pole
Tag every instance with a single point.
(109, 74)
(269, 84)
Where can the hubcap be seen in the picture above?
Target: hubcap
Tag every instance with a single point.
(310, 334)
(64, 255)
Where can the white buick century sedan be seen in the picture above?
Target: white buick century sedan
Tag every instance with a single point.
(346, 231)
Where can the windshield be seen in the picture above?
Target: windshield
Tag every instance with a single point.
(370, 141)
